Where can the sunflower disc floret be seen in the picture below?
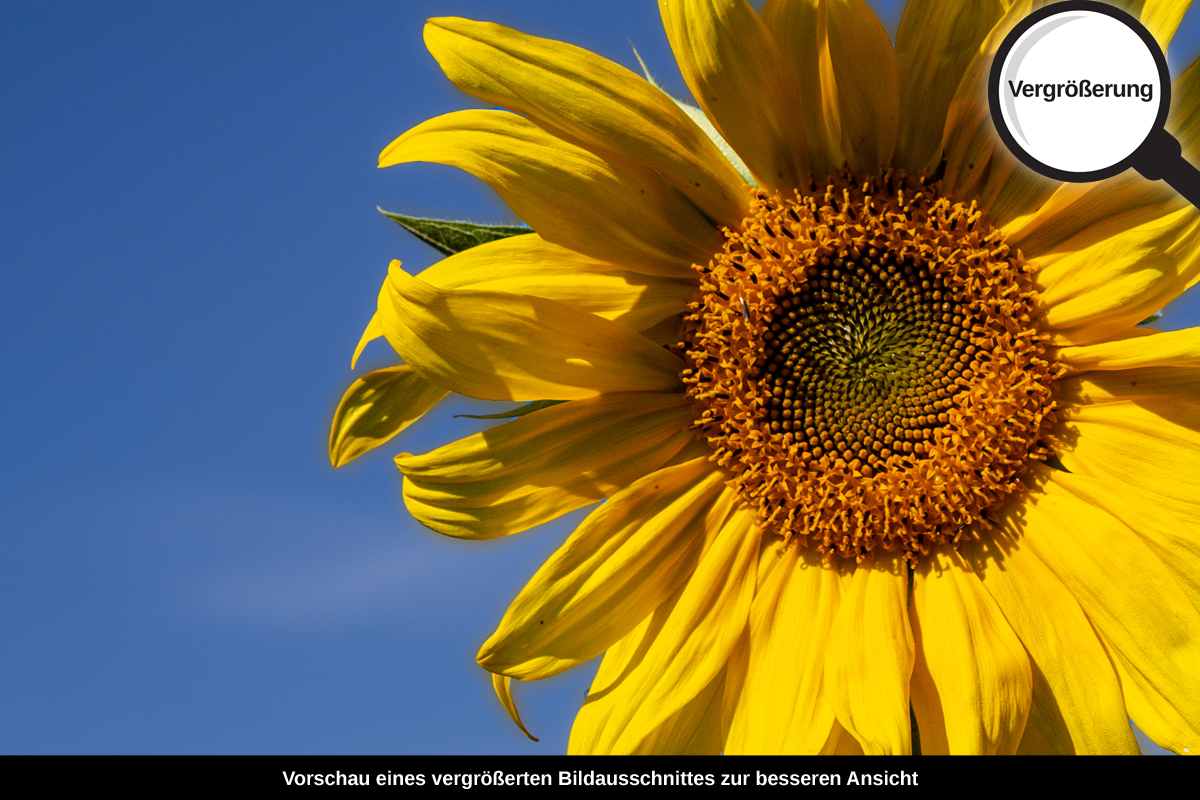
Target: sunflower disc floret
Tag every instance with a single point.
(865, 363)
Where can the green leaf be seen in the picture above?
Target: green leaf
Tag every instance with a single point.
(528, 408)
(449, 236)
(1151, 318)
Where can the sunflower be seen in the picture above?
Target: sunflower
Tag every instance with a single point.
(880, 442)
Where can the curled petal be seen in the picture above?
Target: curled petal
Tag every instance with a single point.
(376, 408)
(372, 332)
(503, 686)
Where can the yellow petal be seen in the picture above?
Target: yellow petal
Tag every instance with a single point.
(1150, 445)
(845, 67)
(772, 556)
(781, 709)
(625, 560)
(735, 678)
(377, 407)
(1152, 383)
(936, 41)
(541, 466)
(503, 686)
(799, 28)
(927, 707)
(665, 332)
(1175, 542)
(1084, 214)
(608, 209)
(978, 165)
(868, 83)
(601, 105)
(1155, 349)
(688, 650)
(1013, 189)
(1147, 621)
(604, 696)
(1161, 17)
(373, 332)
(736, 72)
(698, 638)
(1077, 705)
(841, 743)
(869, 659)
(694, 730)
(975, 664)
(531, 265)
(1096, 292)
(501, 346)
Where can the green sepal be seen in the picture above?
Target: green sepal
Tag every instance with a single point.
(1055, 463)
(528, 408)
(1151, 318)
(449, 236)
(702, 121)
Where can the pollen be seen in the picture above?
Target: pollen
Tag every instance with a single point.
(864, 362)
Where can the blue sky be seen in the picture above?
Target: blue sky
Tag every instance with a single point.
(190, 250)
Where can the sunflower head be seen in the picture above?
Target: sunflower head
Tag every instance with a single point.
(862, 405)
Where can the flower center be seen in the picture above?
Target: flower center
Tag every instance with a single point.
(864, 362)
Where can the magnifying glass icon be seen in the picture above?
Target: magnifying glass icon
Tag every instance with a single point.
(1079, 91)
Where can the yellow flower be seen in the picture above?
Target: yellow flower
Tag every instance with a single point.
(905, 446)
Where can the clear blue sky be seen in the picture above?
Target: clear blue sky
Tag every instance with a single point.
(190, 250)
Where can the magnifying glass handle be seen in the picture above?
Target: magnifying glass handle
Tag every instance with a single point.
(1161, 158)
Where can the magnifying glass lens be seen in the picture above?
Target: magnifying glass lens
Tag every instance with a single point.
(1080, 91)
